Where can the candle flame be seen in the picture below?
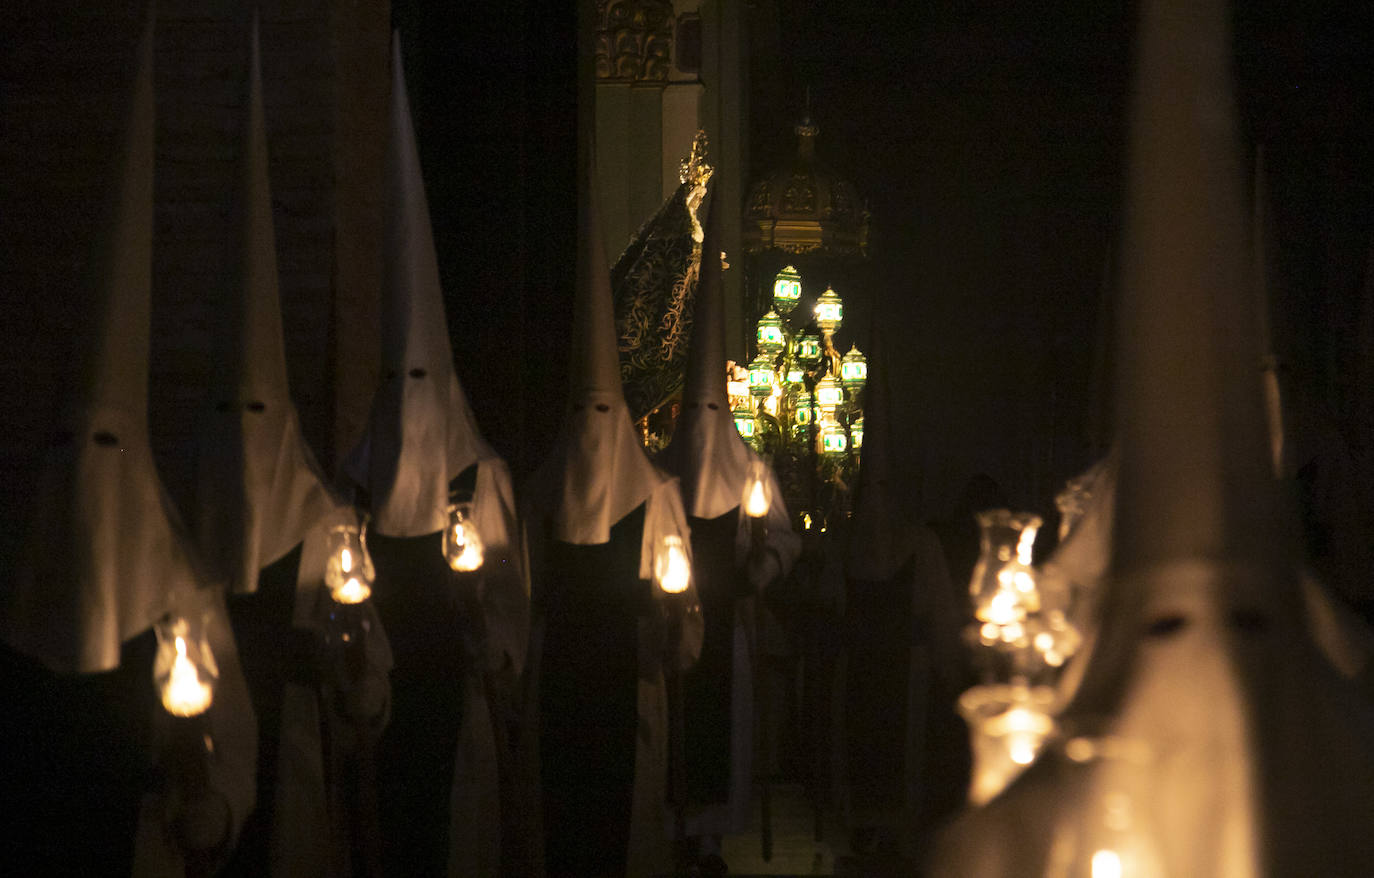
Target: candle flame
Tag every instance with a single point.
(353, 591)
(673, 569)
(757, 505)
(184, 693)
(345, 560)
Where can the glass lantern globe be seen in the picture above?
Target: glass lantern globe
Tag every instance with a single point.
(833, 440)
(184, 669)
(829, 395)
(349, 572)
(770, 335)
(854, 370)
(1003, 584)
(803, 409)
(462, 542)
(808, 346)
(829, 311)
(672, 569)
(745, 422)
(758, 489)
(786, 290)
(761, 376)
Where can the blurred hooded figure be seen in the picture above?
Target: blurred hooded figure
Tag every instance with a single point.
(107, 558)
(599, 514)
(459, 638)
(259, 495)
(906, 756)
(1208, 736)
(714, 465)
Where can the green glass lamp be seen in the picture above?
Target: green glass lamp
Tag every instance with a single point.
(770, 336)
(808, 346)
(833, 440)
(786, 290)
(829, 311)
(761, 376)
(829, 395)
(854, 370)
(745, 423)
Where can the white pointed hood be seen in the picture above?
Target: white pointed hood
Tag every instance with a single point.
(104, 550)
(421, 433)
(1259, 760)
(597, 472)
(258, 487)
(706, 451)
(880, 539)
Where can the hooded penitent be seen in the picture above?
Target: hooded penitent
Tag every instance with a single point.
(258, 488)
(597, 511)
(598, 472)
(421, 433)
(107, 555)
(421, 438)
(105, 550)
(706, 452)
(1219, 741)
(713, 463)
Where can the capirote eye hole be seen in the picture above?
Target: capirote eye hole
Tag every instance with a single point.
(257, 406)
(712, 406)
(106, 438)
(1167, 626)
(417, 372)
(602, 407)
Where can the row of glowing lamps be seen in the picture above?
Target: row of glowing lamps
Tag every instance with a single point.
(185, 672)
(774, 382)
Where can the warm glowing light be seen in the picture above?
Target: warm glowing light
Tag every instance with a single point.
(833, 440)
(770, 335)
(1106, 864)
(786, 289)
(463, 548)
(1003, 609)
(829, 393)
(829, 311)
(185, 694)
(756, 490)
(348, 573)
(353, 591)
(671, 567)
(184, 670)
(1021, 748)
(1026, 543)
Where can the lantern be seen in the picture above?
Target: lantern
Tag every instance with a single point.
(758, 489)
(786, 290)
(1003, 583)
(854, 370)
(829, 311)
(808, 346)
(462, 542)
(856, 433)
(349, 573)
(761, 376)
(672, 570)
(770, 336)
(744, 422)
(828, 394)
(833, 440)
(184, 670)
(802, 412)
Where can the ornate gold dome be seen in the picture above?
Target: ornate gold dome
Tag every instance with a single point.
(802, 207)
